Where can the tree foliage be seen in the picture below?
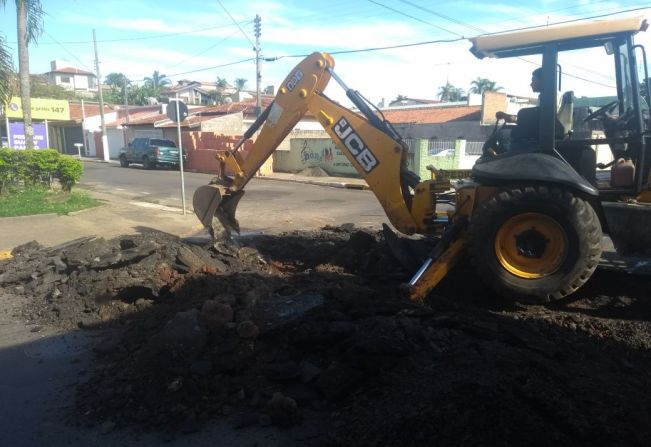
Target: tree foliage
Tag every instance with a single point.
(217, 96)
(37, 168)
(450, 93)
(29, 23)
(240, 84)
(481, 85)
(45, 90)
(6, 73)
(157, 80)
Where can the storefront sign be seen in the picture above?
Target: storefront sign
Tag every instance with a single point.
(17, 135)
(42, 109)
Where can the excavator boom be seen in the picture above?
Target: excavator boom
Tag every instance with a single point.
(370, 143)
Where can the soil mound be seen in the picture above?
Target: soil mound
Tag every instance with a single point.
(314, 325)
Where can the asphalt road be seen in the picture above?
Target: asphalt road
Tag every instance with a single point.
(270, 205)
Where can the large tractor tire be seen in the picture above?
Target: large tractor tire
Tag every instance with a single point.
(535, 244)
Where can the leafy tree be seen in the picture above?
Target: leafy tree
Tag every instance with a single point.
(240, 83)
(119, 84)
(157, 80)
(217, 96)
(450, 93)
(141, 95)
(481, 85)
(45, 90)
(399, 98)
(29, 23)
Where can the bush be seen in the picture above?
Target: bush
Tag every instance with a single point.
(41, 166)
(36, 168)
(8, 168)
(69, 171)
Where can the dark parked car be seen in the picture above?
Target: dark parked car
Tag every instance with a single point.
(151, 152)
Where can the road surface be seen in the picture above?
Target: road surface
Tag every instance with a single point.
(267, 205)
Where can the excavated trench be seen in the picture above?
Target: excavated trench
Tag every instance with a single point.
(312, 325)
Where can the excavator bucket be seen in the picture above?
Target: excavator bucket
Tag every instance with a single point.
(215, 208)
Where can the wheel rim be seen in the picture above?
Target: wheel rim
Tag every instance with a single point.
(531, 245)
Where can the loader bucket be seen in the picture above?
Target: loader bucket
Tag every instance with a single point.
(215, 208)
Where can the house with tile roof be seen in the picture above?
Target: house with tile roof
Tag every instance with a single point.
(450, 135)
(71, 78)
(190, 92)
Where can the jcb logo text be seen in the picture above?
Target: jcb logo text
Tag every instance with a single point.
(355, 145)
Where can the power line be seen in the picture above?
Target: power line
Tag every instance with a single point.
(363, 50)
(231, 17)
(414, 18)
(128, 39)
(69, 52)
(448, 18)
(568, 21)
(212, 68)
(204, 51)
(429, 42)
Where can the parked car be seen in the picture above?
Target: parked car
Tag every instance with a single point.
(151, 152)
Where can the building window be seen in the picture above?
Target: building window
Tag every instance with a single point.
(91, 82)
(65, 79)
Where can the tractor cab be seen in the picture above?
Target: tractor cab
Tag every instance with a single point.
(593, 109)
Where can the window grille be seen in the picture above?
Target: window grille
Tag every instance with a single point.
(436, 147)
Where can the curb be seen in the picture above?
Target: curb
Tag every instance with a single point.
(32, 215)
(76, 213)
(318, 183)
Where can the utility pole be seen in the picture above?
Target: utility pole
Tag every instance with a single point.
(105, 148)
(125, 126)
(258, 76)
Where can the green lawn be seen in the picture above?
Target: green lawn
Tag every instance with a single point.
(38, 201)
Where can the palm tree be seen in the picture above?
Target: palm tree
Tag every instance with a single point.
(481, 85)
(6, 73)
(218, 95)
(157, 80)
(450, 93)
(29, 23)
(240, 83)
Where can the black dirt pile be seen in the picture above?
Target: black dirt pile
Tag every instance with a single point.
(313, 325)
(92, 280)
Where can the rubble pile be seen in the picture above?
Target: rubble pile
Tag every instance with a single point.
(314, 325)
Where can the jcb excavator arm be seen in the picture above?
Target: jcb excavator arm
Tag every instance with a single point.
(371, 145)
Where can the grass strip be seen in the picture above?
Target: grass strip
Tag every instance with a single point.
(41, 201)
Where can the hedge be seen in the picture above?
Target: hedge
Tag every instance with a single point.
(38, 168)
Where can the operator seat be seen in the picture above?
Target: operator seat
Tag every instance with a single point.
(528, 122)
(564, 114)
(579, 155)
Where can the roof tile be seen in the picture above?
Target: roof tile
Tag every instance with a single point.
(433, 115)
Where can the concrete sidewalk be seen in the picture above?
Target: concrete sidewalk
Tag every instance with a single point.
(118, 216)
(115, 217)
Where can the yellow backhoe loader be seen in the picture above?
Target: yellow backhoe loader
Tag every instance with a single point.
(532, 215)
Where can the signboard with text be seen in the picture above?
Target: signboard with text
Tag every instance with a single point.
(42, 109)
(17, 135)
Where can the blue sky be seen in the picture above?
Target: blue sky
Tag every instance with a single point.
(185, 39)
